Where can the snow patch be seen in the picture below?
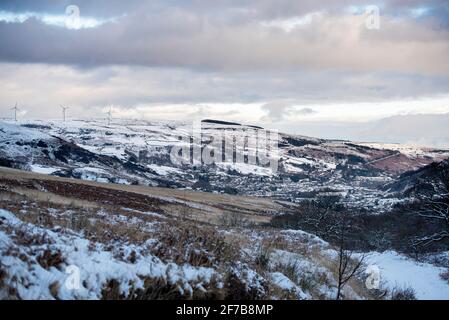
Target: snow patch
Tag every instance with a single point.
(400, 271)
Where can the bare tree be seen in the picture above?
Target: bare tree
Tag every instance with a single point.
(319, 216)
(330, 220)
(435, 207)
(349, 265)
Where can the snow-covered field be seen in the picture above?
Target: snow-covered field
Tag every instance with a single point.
(399, 271)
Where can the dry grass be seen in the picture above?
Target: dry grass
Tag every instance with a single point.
(182, 242)
(281, 294)
(262, 259)
(54, 199)
(237, 289)
(402, 293)
(183, 234)
(205, 207)
(290, 269)
(160, 289)
(49, 259)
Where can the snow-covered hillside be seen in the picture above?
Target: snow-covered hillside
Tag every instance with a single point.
(54, 247)
(110, 242)
(84, 239)
(398, 271)
(138, 152)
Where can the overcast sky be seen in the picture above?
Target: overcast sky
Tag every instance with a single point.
(318, 67)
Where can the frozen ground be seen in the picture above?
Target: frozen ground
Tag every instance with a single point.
(400, 271)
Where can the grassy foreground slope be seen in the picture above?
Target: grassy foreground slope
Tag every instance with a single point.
(130, 242)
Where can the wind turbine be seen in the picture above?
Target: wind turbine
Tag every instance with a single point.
(15, 112)
(109, 113)
(64, 111)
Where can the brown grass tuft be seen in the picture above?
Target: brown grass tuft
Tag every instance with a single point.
(48, 259)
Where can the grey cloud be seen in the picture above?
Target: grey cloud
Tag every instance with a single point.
(306, 111)
(200, 52)
(97, 8)
(260, 9)
(276, 111)
(180, 37)
(42, 86)
(279, 111)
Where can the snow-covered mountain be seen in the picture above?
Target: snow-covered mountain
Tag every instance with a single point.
(138, 152)
(129, 241)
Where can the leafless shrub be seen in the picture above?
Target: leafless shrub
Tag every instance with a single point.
(79, 221)
(203, 246)
(233, 220)
(290, 269)
(237, 288)
(404, 293)
(308, 282)
(262, 259)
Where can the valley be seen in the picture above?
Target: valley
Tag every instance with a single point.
(107, 203)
